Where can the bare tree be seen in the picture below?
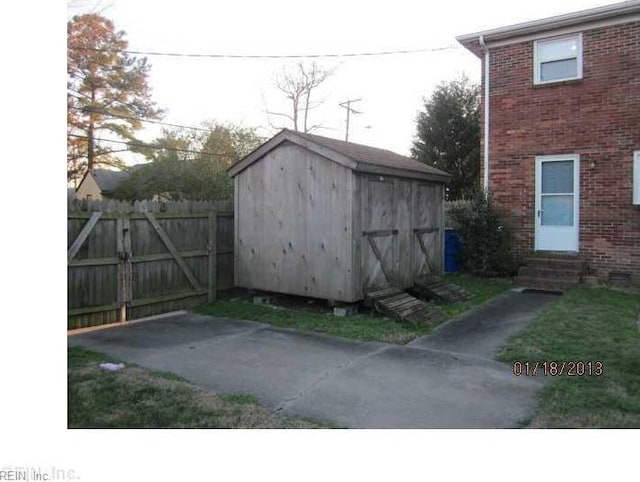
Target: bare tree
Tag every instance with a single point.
(298, 86)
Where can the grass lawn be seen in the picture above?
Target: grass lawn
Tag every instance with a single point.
(138, 398)
(587, 324)
(358, 327)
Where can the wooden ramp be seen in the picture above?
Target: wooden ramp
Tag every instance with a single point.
(436, 287)
(397, 304)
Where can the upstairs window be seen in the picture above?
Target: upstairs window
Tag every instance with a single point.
(636, 178)
(557, 59)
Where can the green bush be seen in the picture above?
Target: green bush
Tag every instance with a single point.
(485, 240)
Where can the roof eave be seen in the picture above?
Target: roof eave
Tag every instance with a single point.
(291, 136)
(84, 177)
(401, 172)
(256, 154)
(552, 23)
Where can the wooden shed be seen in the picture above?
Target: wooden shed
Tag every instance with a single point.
(329, 219)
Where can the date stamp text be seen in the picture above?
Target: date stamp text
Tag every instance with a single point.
(569, 368)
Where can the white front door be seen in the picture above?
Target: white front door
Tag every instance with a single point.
(557, 202)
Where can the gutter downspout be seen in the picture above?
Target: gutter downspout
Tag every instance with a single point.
(485, 182)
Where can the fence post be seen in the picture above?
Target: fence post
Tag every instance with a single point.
(127, 290)
(121, 281)
(213, 255)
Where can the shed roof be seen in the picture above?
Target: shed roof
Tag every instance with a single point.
(109, 180)
(357, 157)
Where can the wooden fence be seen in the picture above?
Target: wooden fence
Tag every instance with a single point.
(129, 260)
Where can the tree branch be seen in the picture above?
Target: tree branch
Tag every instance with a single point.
(280, 114)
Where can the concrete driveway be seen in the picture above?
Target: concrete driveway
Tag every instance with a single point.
(349, 383)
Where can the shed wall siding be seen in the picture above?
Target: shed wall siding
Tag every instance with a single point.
(357, 241)
(403, 254)
(294, 227)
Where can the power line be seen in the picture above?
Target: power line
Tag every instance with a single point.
(290, 56)
(141, 119)
(151, 146)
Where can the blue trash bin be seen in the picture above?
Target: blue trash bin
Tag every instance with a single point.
(451, 251)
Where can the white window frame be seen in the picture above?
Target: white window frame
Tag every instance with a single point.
(536, 63)
(636, 178)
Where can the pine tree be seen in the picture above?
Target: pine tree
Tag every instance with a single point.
(107, 93)
(448, 135)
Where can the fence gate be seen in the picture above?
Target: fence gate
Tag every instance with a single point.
(126, 261)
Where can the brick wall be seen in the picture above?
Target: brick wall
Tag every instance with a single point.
(597, 117)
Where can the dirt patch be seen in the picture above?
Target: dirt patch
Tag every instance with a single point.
(312, 305)
(398, 338)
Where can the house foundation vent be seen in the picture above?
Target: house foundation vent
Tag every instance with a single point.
(619, 279)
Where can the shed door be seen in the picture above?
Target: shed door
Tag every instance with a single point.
(427, 229)
(378, 231)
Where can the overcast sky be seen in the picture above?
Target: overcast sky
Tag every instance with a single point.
(392, 87)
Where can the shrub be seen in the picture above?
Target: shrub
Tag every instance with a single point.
(485, 241)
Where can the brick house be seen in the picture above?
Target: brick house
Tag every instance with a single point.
(560, 130)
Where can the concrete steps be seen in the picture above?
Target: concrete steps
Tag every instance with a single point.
(572, 275)
(554, 273)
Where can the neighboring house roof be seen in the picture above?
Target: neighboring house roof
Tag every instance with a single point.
(606, 15)
(109, 180)
(357, 157)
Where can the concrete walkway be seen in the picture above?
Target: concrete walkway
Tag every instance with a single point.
(484, 330)
(349, 383)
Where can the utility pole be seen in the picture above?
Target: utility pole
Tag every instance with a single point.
(347, 105)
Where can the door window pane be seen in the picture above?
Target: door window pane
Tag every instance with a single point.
(557, 177)
(557, 210)
(559, 69)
